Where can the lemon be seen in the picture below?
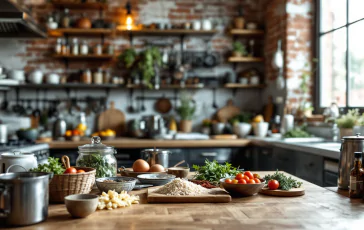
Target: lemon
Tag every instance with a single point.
(82, 127)
(258, 118)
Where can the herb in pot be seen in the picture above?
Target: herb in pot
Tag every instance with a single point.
(285, 183)
(53, 166)
(103, 165)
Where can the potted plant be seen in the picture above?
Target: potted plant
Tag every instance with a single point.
(186, 111)
(242, 124)
(347, 122)
(128, 57)
(359, 127)
(239, 49)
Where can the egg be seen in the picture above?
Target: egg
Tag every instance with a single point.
(141, 165)
(157, 168)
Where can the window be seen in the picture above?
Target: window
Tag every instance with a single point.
(341, 53)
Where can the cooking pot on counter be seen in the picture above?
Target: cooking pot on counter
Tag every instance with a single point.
(17, 162)
(156, 156)
(349, 145)
(25, 198)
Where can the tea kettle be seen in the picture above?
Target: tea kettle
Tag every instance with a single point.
(17, 162)
(349, 145)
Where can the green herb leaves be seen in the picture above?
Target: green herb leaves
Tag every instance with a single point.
(54, 166)
(285, 183)
(99, 162)
(213, 171)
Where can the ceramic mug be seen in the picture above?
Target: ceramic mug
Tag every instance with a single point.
(196, 25)
(260, 129)
(36, 77)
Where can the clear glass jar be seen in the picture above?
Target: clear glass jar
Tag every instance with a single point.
(98, 156)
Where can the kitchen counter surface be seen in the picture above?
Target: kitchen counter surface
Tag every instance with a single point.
(319, 208)
(150, 143)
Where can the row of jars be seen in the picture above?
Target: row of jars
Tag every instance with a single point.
(100, 77)
(82, 48)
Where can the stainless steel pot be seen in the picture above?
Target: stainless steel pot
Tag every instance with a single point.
(3, 134)
(156, 156)
(25, 196)
(349, 145)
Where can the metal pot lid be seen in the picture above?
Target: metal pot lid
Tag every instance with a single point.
(95, 145)
(356, 137)
(23, 176)
(16, 154)
(157, 151)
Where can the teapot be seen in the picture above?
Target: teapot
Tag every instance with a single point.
(17, 162)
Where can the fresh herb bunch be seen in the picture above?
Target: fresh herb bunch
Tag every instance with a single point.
(100, 163)
(212, 171)
(349, 120)
(54, 166)
(297, 132)
(285, 183)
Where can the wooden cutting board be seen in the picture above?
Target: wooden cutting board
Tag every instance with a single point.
(112, 119)
(227, 112)
(215, 195)
(224, 137)
(284, 193)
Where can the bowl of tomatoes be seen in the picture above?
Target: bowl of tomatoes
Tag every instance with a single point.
(244, 183)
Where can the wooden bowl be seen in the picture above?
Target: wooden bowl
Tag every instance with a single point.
(181, 172)
(81, 205)
(242, 189)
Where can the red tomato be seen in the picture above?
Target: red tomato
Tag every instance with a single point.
(80, 171)
(239, 176)
(257, 181)
(241, 181)
(246, 178)
(234, 181)
(249, 174)
(273, 184)
(228, 181)
(251, 181)
(70, 170)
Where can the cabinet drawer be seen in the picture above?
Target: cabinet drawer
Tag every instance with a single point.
(330, 179)
(310, 167)
(284, 160)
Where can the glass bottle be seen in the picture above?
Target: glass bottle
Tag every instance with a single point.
(107, 76)
(65, 47)
(97, 77)
(75, 47)
(84, 48)
(98, 49)
(65, 19)
(356, 181)
(86, 77)
(58, 47)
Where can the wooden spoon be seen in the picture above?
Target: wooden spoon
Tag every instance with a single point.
(66, 162)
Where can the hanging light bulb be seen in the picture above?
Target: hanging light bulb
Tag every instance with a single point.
(129, 18)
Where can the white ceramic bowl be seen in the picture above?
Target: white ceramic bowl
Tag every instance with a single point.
(261, 129)
(242, 129)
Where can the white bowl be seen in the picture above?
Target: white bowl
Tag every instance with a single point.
(261, 129)
(242, 129)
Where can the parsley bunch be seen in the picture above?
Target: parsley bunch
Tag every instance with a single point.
(213, 171)
(53, 166)
(285, 183)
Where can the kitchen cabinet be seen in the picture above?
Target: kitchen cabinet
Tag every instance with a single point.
(264, 159)
(284, 160)
(243, 158)
(310, 167)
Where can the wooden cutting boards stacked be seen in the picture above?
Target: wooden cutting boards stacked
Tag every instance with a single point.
(228, 111)
(112, 118)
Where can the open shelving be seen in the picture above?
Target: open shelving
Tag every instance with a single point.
(245, 32)
(245, 59)
(88, 56)
(80, 32)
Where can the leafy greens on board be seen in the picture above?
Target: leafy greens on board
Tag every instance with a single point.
(285, 183)
(212, 171)
(53, 166)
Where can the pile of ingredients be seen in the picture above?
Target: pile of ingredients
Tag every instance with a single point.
(204, 183)
(279, 181)
(180, 187)
(113, 200)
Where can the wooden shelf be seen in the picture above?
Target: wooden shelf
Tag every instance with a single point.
(89, 56)
(243, 86)
(246, 32)
(198, 86)
(86, 5)
(67, 85)
(245, 59)
(157, 32)
(76, 31)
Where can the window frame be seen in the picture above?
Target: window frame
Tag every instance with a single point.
(318, 35)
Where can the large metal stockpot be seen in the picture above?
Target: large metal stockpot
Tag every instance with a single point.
(349, 145)
(24, 198)
(156, 156)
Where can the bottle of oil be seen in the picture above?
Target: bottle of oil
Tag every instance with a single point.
(356, 181)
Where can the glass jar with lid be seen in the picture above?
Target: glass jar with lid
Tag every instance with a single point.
(98, 156)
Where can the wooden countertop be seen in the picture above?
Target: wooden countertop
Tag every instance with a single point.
(150, 143)
(319, 208)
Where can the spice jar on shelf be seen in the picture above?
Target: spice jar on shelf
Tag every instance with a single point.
(98, 49)
(58, 47)
(84, 48)
(86, 77)
(107, 76)
(97, 77)
(65, 47)
(75, 47)
(65, 19)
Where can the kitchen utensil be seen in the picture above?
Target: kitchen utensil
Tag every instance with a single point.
(349, 145)
(137, 127)
(121, 184)
(131, 104)
(155, 126)
(113, 119)
(36, 77)
(59, 128)
(155, 179)
(37, 112)
(129, 172)
(102, 154)
(210, 58)
(141, 186)
(27, 134)
(3, 134)
(81, 205)
(242, 189)
(29, 109)
(163, 105)
(224, 137)
(25, 197)
(181, 162)
(227, 112)
(214, 104)
(19, 161)
(156, 156)
(260, 129)
(214, 195)
(181, 172)
(242, 129)
(277, 60)
(218, 128)
(283, 193)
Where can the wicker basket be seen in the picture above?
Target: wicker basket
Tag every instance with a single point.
(68, 184)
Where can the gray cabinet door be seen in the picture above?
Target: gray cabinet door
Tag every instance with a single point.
(284, 160)
(310, 167)
(264, 159)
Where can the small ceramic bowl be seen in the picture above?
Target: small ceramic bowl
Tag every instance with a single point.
(181, 172)
(156, 179)
(120, 184)
(81, 205)
(242, 189)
